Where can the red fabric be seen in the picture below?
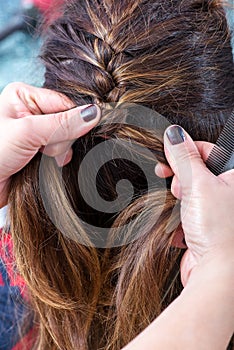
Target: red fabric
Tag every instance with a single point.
(43, 5)
(1, 281)
(6, 254)
(26, 343)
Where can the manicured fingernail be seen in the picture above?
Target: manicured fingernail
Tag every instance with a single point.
(89, 113)
(175, 134)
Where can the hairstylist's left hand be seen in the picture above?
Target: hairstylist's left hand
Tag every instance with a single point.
(32, 118)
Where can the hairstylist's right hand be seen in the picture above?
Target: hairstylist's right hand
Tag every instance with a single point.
(207, 201)
(32, 118)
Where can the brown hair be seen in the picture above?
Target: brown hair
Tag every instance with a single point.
(173, 57)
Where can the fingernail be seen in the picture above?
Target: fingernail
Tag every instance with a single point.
(175, 134)
(89, 113)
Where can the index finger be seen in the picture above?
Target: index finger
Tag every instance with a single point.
(19, 100)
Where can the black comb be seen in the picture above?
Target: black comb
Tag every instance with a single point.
(221, 157)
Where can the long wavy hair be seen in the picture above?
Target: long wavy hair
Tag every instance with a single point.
(170, 57)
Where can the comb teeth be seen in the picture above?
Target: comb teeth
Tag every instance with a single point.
(221, 157)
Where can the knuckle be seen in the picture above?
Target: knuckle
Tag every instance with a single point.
(188, 156)
(15, 86)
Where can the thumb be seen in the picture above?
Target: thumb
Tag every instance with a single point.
(183, 156)
(60, 127)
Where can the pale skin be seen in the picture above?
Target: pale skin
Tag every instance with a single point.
(34, 119)
(202, 317)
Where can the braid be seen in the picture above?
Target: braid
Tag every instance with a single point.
(131, 51)
(95, 47)
(108, 61)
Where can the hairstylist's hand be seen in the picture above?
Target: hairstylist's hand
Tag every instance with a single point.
(207, 201)
(31, 118)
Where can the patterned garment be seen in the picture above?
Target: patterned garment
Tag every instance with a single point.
(16, 318)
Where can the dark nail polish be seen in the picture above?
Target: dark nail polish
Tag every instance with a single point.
(175, 134)
(89, 113)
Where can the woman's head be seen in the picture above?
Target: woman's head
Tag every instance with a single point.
(172, 57)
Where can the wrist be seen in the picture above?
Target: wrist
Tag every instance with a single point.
(216, 266)
(207, 300)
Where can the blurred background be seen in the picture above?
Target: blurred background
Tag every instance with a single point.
(20, 42)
